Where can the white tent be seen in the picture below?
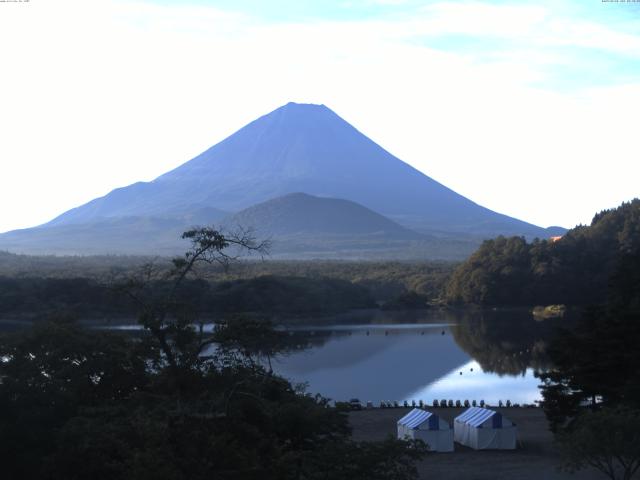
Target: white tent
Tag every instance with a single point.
(428, 427)
(480, 429)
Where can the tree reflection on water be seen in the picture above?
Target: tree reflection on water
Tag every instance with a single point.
(506, 342)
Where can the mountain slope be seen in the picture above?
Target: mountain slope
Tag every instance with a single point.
(297, 225)
(304, 226)
(302, 214)
(302, 148)
(131, 235)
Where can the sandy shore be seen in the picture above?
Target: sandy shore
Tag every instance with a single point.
(534, 459)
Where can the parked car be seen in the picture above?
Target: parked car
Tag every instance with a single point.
(355, 404)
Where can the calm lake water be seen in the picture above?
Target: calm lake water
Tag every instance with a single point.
(397, 356)
(437, 354)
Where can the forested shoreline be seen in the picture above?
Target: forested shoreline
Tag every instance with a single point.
(80, 403)
(503, 272)
(573, 270)
(31, 287)
(154, 404)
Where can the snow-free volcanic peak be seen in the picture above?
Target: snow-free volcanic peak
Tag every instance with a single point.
(296, 148)
(302, 148)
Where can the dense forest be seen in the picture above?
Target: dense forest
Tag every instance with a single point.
(592, 390)
(589, 367)
(81, 404)
(85, 404)
(573, 270)
(91, 300)
(85, 286)
(503, 271)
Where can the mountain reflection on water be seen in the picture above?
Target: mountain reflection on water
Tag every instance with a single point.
(488, 355)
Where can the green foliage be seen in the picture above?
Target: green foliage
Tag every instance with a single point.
(596, 361)
(574, 270)
(592, 393)
(384, 279)
(387, 460)
(79, 404)
(599, 358)
(48, 374)
(607, 440)
(37, 286)
(407, 301)
(266, 288)
(82, 404)
(29, 297)
(289, 295)
(32, 297)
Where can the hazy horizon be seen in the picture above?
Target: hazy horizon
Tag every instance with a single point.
(526, 108)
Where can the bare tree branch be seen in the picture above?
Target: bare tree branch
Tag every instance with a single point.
(155, 291)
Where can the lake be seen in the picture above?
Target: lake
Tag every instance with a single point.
(442, 354)
(376, 356)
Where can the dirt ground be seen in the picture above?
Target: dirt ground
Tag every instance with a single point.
(534, 459)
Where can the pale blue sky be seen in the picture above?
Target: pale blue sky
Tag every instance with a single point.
(302, 10)
(528, 108)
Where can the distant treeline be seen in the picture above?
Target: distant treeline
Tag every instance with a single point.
(84, 286)
(28, 297)
(50, 266)
(574, 270)
(90, 299)
(385, 279)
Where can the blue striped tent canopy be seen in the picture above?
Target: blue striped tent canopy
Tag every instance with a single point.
(416, 417)
(476, 416)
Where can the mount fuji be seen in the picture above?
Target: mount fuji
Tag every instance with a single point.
(297, 148)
